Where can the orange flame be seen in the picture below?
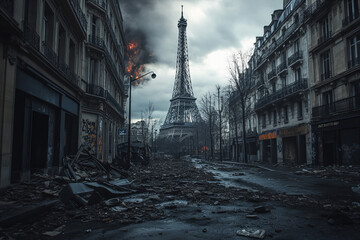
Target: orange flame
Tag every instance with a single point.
(134, 68)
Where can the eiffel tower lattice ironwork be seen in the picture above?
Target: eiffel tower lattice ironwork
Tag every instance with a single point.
(183, 115)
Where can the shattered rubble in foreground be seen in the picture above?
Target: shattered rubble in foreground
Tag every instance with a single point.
(91, 191)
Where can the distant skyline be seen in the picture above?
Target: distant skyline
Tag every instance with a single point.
(216, 29)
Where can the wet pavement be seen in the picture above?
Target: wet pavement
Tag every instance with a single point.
(196, 199)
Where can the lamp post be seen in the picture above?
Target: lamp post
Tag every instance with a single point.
(153, 75)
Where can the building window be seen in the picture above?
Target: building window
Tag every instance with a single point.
(264, 120)
(72, 58)
(297, 74)
(328, 101)
(325, 65)
(275, 118)
(297, 46)
(286, 116)
(273, 86)
(356, 94)
(283, 82)
(325, 29)
(354, 51)
(352, 10)
(93, 26)
(48, 26)
(300, 110)
(62, 43)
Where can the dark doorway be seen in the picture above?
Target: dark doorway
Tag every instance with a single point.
(274, 151)
(329, 148)
(71, 134)
(290, 150)
(302, 149)
(39, 141)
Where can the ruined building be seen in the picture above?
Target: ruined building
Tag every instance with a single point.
(62, 83)
(307, 100)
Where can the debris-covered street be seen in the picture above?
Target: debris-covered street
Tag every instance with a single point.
(185, 199)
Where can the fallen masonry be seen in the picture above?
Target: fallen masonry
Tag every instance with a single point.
(92, 191)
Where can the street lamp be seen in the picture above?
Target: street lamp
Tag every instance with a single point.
(153, 75)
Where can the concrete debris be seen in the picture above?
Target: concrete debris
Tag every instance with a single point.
(252, 233)
(261, 209)
(55, 232)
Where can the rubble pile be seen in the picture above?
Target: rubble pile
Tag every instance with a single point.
(343, 173)
(92, 191)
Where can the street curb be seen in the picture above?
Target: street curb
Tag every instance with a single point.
(250, 165)
(13, 215)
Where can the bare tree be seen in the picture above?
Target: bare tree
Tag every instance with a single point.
(242, 82)
(231, 116)
(147, 123)
(207, 108)
(220, 113)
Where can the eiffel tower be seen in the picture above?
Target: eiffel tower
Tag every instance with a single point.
(183, 116)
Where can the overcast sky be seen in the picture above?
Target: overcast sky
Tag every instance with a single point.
(215, 30)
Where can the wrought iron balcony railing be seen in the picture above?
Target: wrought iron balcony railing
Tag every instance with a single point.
(325, 75)
(353, 62)
(99, 3)
(95, 40)
(7, 6)
(296, 57)
(343, 106)
(113, 69)
(49, 54)
(272, 74)
(324, 38)
(79, 14)
(349, 19)
(281, 68)
(112, 33)
(114, 103)
(59, 64)
(282, 93)
(314, 7)
(31, 37)
(95, 90)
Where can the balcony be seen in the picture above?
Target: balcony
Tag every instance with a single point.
(314, 8)
(295, 59)
(98, 3)
(114, 103)
(350, 19)
(271, 74)
(282, 68)
(325, 75)
(324, 38)
(59, 64)
(282, 93)
(113, 69)
(344, 106)
(49, 54)
(112, 33)
(95, 90)
(353, 62)
(31, 37)
(79, 14)
(96, 41)
(101, 92)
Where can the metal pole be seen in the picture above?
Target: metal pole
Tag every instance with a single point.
(129, 127)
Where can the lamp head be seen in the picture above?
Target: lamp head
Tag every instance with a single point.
(153, 75)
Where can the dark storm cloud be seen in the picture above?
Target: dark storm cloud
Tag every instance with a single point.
(214, 26)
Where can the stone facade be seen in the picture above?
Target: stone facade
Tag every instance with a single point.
(63, 84)
(306, 67)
